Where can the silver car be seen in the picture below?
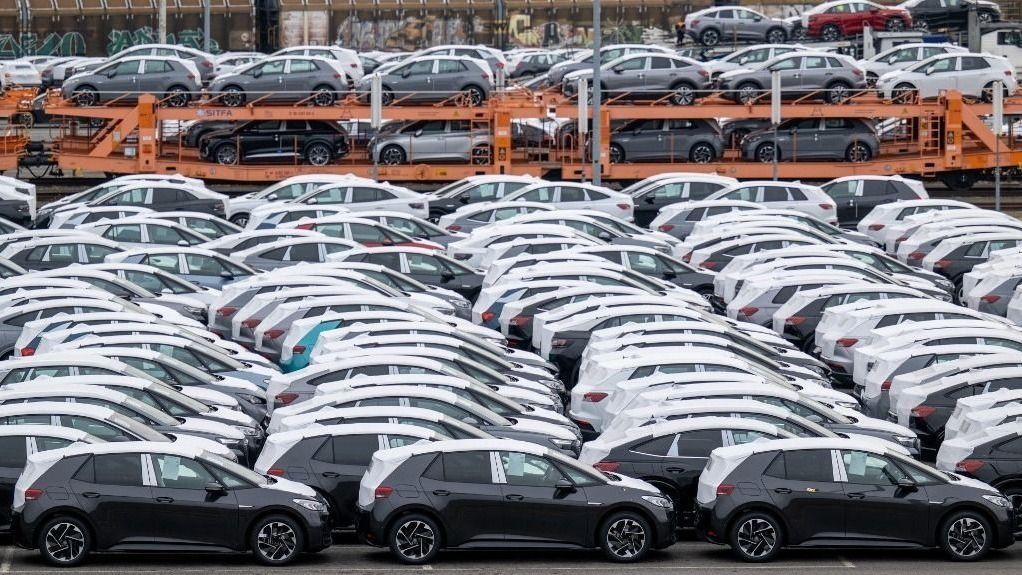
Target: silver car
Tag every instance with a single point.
(830, 77)
(433, 141)
(712, 26)
(697, 141)
(282, 78)
(584, 60)
(172, 80)
(431, 79)
(648, 75)
(847, 139)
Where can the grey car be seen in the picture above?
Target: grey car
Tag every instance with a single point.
(282, 78)
(735, 24)
(557, 72)
(433, 141)
(645, 75)
(841, 139)
(169, 79)
(288, 252)
(697, 141)
(431, 79)
(827, 76)
(199, 266)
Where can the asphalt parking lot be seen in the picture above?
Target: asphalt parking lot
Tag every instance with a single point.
(684, 557)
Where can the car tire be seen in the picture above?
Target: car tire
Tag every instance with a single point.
(702, 153)
(386, 97)
(177, 97)
(838, 92)
(85, 96)
(318, 154)
(240, 220)
(232, 96)
(226, 154)
(617, 154)
(965, 536)
(858, 152)
(64, 541)
(776, 36)
(393, 156)
(683, 94)
(474, 95)
(871, 79)
(414, 539)
(988, 92)
(765, 153)
(756, 537)
(902, 92)
(709, 37)
(323, 96)
(276, 540)
(747, 92)
(984, 17)
(625, 537)
(830, 33)
(894, 25)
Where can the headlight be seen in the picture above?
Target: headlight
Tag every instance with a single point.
(230, 442)
(311, 505)
(194, 310)
(658, 501)
(253, 399)
(248, 431)
(998, 500)
(849, 404)
(909, 442)
(567, 444)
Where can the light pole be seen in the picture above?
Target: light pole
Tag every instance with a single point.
(595, 145)
(205, 24)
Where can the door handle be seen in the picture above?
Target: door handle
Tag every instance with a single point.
(856, 495)
(330, 474)
(782, 490)
(441, 492)
(514, 497)
(90, 494)
(164, 499)
(675, 469)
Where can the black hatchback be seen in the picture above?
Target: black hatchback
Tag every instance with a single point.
(498, 493)
(157, 497)
(835, 492)
(314, 142)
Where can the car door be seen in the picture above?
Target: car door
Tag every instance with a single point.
(337, 468)
(111, 491)
(628, 77)
(791, 74)
(871, 194)
(973, 75)
(648, 205)
(125, 81)
(684, 460)
(457, 140)
(846, 197)
(259, 140)
(462, 487)
(415, 81)
(646, 140)
(14, 450)
(815, 73)
(938, 76)
(803, 484)
(875, 487)
(541, 505)
(301, 77)
(834, 137)
(188, 509)
(267, 81)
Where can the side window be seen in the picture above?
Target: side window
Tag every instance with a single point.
(96, 253)
(809, 465)
(529, 470)
(12, 451)
(118, 469)
(868, 469)
(50, 443)
(124, 233)
(180, 473)
(658, 446)
(467, 467)
(699, 443)
(355, 449)
(874, 188)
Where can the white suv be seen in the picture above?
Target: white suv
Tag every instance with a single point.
(971, 74)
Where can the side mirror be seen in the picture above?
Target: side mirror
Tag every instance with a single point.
(406, 73)
(930, 71)
(446, 276)
(214, 488)
(387, 242)
(564, 486)
(793, 131)
(271, 197)
(226, 275)
(649, 199)
(111, 73)
(670, 275)
(605, 236)
(907, 484)
(616, 70)
(463, 199)
(257, 73)
(418, 133)
(815, 418)
(757, 19)
(312, 201)
(183, 243)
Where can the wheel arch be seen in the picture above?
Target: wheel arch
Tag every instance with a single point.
(627, 508)
(264, 513)
(757, 507)
(964, 506)
(416, 509)
(68, 511)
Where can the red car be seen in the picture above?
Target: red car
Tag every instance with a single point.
(837, 20)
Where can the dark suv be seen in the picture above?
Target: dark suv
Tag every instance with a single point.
(480, 493)
(142, 496)
(314, 142)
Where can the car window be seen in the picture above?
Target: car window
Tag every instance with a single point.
(178, 472)
(156, 67)
(301, 66)
(273, 68)
(787, 63)
(467, 467)
(165, 262)
(698, 443)
(974, 63)
(813, 62)
(50, 443)
(450, 67)
(117, 469)
(529, 470)
(870, 469)
(124, 233)
(803, 465)
(349, 449)
(13, 451)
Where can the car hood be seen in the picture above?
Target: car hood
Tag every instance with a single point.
(288, 486)
(632, 483)
(736, 72)
(216, 428)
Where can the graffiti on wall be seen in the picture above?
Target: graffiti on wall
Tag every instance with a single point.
(73, 43)
(409, 33)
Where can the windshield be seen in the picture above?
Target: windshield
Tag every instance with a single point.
(142, 431)
(232, 467)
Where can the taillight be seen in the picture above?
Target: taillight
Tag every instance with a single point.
(857, 72)
(298, 350)
(624, 206)
(665, 227)
(886, 385)
(488, 315)
(454, 228)
(708, 265)
(275, 471)
(27, 351)
(33, 494)
(847, 341)
(383, 492)
(916, 256)
(207, 64)
(825, 206)
(304, 226)
(695, 23)
(748, 311)
(876, 227)
(462, 257)
(251, 323)
(226, 311)
(969, 465)
(901, 239)
(795, 320)
(989, 298)
(942, 264)
(560, 343)
(520, 320)
(337, 76)
(1007, 73)
(284, 399)
(725, 489)
(923, 411)
(416, 206)
(610, 466)
(594, 397)
(273, 333)
(190, 77)
(704, 73)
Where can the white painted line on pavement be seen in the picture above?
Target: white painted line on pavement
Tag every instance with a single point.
(845, 562)
(427, 567)
(5, 565)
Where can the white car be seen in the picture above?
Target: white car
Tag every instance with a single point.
(367, 195)
(272, 215)
(348, 59)
(971, 74)
(20, 73)
(748, 57)
(574, 195)
(904, 55)
(227, 62)
(789, 195)
(963, 417)
(881, 218)
(473, 250)
(288, 189)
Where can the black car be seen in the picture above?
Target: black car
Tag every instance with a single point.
(819, 492)
(15, 210)
(193, 134)
(856, 196)
(961, 256)
(332, 459)
(428, 267)
(939, 14)
(490, 493)
(993, 456)
(651, 262)
(157, 497)
(314, 142)
(671, 455)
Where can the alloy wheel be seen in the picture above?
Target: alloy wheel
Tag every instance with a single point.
(858, 152)
(966, 537)
(227, 155)
(838, 93)
(757, 537)
(232, 97)
(318, 155)
(415, 539)
(475, 96)
(831, 33)
(683, 96)
(177, 98)
(747, 93)
(776, 36)
(65, 542)
(765, 153)
(86, 97)
(626, 538)
(710, 38)
(702, 154)
(277, 541)
(392, 156)
(323, 97)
